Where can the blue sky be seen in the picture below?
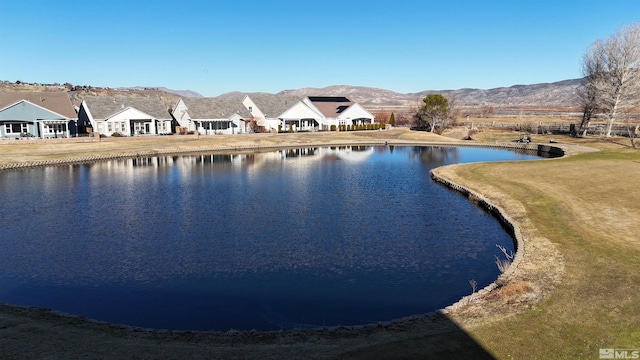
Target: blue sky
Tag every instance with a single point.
(214, 47)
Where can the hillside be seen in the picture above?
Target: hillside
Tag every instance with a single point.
(548, 95)
(555, 94)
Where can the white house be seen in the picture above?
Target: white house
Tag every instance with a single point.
(339, 110)
(302, 117)
(321, 112)
(266, 109)
(211, 116)
(128, 116)
(309, 114)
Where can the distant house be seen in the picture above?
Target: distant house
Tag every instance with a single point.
(128, 116)
(36, 114)
(265, 109)
(324, 111)
(209, 116)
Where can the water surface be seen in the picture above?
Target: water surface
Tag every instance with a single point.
(285, 239)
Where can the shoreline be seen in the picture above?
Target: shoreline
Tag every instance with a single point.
(554, 150)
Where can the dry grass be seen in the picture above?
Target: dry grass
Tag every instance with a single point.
(526, 119)
(510, 291)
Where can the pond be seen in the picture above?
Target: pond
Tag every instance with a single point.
(295, 238)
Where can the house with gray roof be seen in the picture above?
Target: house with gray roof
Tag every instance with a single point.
(128, 116)
(36, 114)
(210, 116)
(266, 109)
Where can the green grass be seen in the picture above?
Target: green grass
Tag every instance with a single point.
(589, 206)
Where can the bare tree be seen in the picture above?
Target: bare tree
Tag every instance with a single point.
(453, 111)
(403, 118)
(488, 111)
(382, 116)
(633, 127)
(587, 94)
(617, 82)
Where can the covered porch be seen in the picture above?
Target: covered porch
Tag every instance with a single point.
(361, 121)
(142, 127)
(55, 128)
(217, 127)
(308, 124)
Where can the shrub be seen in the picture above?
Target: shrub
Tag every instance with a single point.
(503, 264)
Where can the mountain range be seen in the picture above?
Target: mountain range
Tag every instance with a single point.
(556, 94)
(561, 93)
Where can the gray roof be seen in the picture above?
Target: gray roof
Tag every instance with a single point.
(103, 107)
(214, 108)
(273, 105)
(58, 102)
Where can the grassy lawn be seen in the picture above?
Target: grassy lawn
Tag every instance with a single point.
(588, 207)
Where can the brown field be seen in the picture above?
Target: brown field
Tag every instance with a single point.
(572, 289)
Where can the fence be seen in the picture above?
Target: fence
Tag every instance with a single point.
(549, 128)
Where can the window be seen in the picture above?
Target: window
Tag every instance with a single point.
(55, 128)
(250, 109)
(109, 127)
(99, 126)
(123, 127)
(15, 128)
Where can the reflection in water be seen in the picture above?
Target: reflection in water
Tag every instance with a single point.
(436, 155)
(290, 238)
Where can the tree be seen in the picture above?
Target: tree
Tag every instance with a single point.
(587, 93)
(254, 126)
(612, 79)
(392, 120)
(633, 128)
(432, 113)
(453, 111)
(381, 116)
(403, 118)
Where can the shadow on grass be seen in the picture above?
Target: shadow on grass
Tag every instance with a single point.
(32, 333)
(449, 342)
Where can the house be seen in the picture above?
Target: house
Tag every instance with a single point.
(211, 116)
(36, 114)
(123, 115)
(339, 110)
(323, 112)
(266, 109)
(302, 117)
